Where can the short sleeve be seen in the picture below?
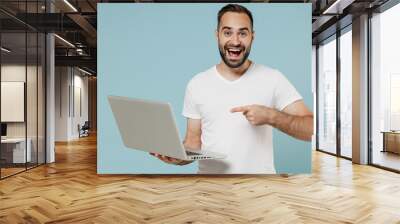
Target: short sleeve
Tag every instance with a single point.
(190, 108)
(285, 93)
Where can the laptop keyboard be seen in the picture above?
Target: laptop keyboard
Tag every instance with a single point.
(192, 153)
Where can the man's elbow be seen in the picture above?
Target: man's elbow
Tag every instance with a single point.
(307, 138)
(310, 128)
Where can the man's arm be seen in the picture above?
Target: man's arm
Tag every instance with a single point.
(193, 134)
(295, 119)
(192, 141)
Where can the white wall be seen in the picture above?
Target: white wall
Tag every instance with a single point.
(79, 117)
(12, 73)
(15, 72)
(69, 82)
(62, 80)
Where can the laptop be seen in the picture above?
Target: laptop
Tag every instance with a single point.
(150, 126)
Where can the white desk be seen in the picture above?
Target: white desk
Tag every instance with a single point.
(18, 149)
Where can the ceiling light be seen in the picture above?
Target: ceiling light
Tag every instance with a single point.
(65, 41)
(338, 6)
(5, 50)
(84, 71)
(329, 9)
(71, 6)
(79, 51)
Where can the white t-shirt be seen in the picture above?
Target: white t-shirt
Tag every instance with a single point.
(210, 97)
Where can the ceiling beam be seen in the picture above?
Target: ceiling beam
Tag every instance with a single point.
(83, 61)
(85, 25)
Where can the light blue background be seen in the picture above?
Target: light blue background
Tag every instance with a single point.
(151, 51)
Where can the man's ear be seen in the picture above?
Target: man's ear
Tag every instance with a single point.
(216, 34)
(254, 35)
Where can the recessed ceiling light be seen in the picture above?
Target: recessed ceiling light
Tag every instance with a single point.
(337, 7)
(5, 50)
(64, 40)
(71, 6)
(84, 71)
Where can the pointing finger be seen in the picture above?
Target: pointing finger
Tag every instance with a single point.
(243, 109)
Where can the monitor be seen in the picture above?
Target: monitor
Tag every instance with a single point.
(3, 129)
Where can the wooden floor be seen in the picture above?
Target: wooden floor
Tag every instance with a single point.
(387, 159)
(5, 172)
(70, 191)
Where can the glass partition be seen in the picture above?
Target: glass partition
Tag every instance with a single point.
(22, 77)
(13, 109)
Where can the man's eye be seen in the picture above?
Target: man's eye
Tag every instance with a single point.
(227, 33)
(243, 34)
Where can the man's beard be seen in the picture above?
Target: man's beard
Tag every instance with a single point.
(223, 49)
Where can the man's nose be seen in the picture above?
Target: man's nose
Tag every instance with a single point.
(235, 40)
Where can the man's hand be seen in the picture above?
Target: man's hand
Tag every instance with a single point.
(295, 119)
(257, 114)
(170, 160)
(192, 141)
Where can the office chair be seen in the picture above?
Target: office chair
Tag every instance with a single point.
(84, 130)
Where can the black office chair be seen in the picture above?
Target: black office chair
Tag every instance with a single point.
(84, 130)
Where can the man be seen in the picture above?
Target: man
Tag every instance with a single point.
(232, 107)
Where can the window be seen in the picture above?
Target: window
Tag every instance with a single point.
(327, 95)
(346, 92)
(385, 89)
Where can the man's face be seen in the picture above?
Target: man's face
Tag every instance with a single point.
(235, 37)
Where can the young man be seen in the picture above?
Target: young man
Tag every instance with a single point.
(232, 107)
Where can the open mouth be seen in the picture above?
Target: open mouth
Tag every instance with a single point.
(234, 53)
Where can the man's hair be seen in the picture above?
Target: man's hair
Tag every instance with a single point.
(234, 8)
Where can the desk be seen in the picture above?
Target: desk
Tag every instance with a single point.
(391, 141)
(17, 150)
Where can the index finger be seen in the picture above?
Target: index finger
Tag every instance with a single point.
(239, 109)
